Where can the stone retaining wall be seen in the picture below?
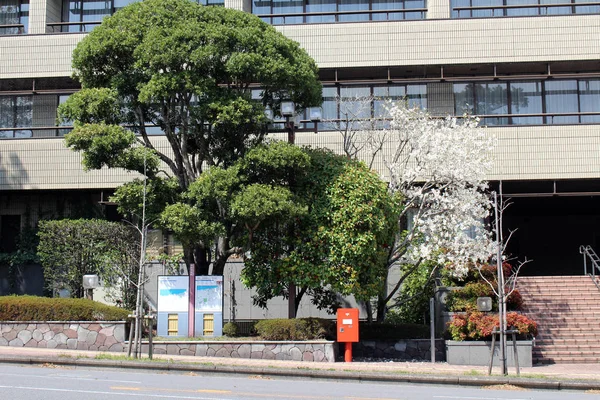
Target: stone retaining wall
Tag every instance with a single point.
(317, 351)
(410, 349)
(75, 335)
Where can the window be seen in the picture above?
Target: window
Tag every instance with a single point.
(325, 11)
(15, 112)
(84, 15)
(526, 98)
(514, 8)
(14, 17)
(561, 97)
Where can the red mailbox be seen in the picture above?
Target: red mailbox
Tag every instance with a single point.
(347, 329)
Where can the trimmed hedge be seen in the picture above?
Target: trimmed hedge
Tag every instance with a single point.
(296, 329)
(32, 308)
(386, 331)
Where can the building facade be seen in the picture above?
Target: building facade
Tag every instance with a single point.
(529, 68)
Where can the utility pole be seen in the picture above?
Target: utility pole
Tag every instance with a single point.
(501, 292)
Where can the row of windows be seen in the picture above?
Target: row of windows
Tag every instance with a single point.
(325, 11)
(515, 8)
(498, 103)
(84, 15)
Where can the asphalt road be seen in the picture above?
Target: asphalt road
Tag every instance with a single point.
(65, 383)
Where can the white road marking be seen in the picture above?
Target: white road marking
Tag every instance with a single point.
(481, 398)
(76, 378)
(163, 396)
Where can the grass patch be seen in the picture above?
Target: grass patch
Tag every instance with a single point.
(473, 372)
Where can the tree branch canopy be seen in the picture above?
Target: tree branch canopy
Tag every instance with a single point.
(204, 76)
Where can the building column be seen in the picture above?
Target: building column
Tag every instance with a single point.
(438, 9)
(242, 5)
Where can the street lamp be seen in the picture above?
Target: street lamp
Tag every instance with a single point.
(90, 282)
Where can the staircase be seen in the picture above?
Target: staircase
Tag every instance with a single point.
(567, 310)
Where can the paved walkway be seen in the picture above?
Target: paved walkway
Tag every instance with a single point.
(556, 376)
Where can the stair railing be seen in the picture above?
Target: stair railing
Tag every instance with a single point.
(588, 252)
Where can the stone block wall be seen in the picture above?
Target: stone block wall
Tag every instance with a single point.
(316, 351)
(79, 335)
(413, 349)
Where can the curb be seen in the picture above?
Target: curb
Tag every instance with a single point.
(380, 377)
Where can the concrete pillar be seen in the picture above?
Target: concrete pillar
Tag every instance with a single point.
(438, 9)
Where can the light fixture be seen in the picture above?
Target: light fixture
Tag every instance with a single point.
(288, 108)
(90, 281)
(269, 113)
(315, 114)
(484, 303)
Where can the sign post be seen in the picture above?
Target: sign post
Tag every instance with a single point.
(347, 329)
(192, 300)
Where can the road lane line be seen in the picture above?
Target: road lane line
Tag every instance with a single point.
(155, 389)
(162, 396)
(53, 376)
(481, 398)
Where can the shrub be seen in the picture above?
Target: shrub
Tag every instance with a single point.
(296, 329)
(390, 331)
(476, 325)
(231, 329)
(32, 308)
(465, 299)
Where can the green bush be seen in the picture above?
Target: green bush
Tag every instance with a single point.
(31, 308)
(476, 325)
(231, 329)
(465, 299)
(296, 329)
(388, 331)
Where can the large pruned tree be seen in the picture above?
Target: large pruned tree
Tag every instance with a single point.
(343, 216)
(194, 72)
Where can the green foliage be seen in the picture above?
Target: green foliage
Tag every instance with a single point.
(296, 329)
(231, 329)
(188, 69)
(392, 331)
(475, 325)
(159, 193)
(69, 249)
(465, 298)
(411, 305)
(340, 243)
(31, 308)
(91, 106)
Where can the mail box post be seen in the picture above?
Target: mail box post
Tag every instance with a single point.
(347, 329)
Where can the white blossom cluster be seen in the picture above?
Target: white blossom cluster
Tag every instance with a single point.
(439, 166)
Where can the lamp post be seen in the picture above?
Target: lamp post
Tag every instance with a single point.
(90, 282)
(288, 110)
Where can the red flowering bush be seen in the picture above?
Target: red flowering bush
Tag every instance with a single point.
(475, 325)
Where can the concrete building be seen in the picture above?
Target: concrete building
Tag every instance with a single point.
(529, 68)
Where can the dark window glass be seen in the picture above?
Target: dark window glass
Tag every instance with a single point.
(514, 12)
(526, 98)
(14, 12)
(589, 98)
(586, 9)
(561, 97)
(490, 99)
(353, 5)
(288, 7)
(320, 6)
(15, 112)
(555, 10)
(464, 100)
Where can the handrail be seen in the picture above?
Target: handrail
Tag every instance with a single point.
(588, 251)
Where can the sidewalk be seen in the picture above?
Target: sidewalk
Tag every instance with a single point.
(556, 376)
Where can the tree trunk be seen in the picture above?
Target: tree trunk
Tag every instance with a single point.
(202, 261)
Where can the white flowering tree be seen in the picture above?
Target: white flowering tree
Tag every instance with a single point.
(438, 167)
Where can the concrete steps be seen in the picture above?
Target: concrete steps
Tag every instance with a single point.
(566, 309)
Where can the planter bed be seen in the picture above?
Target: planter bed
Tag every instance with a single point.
(478, 353)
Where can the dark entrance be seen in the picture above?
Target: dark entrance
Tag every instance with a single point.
(10, 228)
(550, 229)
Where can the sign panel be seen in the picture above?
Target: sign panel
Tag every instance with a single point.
(173, 293)
(209, 294)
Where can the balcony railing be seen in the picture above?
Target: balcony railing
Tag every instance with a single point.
(319, 17)
(539, 9)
